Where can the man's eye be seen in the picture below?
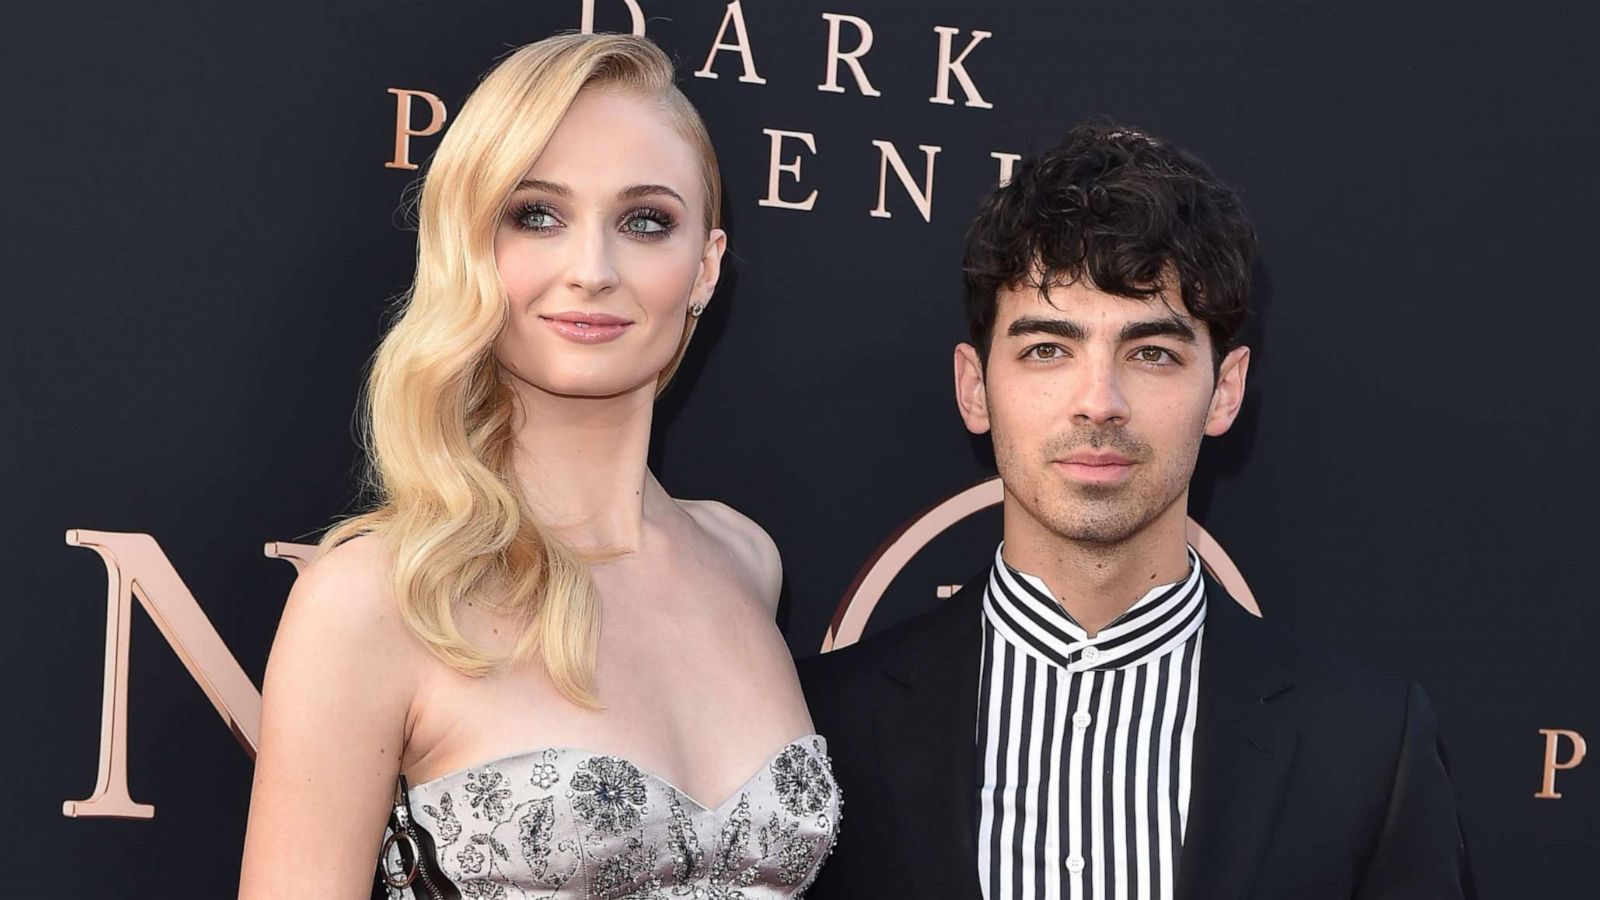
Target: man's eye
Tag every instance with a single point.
(1043, 351)
(1154, 355)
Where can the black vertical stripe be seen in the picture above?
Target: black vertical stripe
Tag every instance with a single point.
(1006, 654)
(1108, 784)
(1186, 654)
(1019, 838)
(1136, 725)
(1047, 718)
(1159, 674)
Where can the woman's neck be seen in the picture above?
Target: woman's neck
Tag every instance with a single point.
(581, 463)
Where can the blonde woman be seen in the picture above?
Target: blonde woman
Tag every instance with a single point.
(546, 676)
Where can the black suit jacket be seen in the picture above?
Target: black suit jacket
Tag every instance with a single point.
(1312, 778)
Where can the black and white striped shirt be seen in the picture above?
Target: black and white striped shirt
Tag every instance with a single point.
(1085, 743)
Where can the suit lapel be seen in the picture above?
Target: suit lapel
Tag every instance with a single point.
(927, 745)
(1243, 752)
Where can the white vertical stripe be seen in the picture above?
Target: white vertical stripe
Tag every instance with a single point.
(1186, 748)
(1119, 778)
(991, 756)
(1097, 804)
(1052, 860)
(1009, 810)
(1075, 798)
(1173, 662)
(1142, 863)
(1027, 796)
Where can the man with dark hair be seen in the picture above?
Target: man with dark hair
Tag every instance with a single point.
(1094, 717)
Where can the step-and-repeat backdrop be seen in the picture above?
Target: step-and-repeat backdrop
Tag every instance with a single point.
(207, 227)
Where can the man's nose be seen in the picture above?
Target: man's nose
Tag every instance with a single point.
(1099, 398)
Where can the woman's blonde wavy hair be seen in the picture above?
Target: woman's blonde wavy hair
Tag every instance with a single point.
(438, 417)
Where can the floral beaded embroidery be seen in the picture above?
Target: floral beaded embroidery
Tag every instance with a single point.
(616, 832)
(803, 785)
(608, 793)
(487, 791)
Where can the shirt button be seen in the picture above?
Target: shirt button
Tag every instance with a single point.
(1091, 654)
(1081, 720)
(1075, 864)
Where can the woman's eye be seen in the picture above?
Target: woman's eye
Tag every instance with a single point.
(536, 218)
(643, 223)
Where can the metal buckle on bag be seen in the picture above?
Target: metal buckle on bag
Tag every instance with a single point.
(399, 880)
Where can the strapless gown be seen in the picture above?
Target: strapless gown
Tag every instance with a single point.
(564, 824)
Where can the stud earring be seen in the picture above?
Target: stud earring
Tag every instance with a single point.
(696, 308)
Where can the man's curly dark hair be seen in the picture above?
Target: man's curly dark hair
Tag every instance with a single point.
(1125, 209)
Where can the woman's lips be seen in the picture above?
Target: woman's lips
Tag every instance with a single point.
(587, 328)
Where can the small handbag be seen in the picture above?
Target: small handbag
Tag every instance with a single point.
(415, 847)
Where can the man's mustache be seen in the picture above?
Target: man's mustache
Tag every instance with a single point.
(1093, 438)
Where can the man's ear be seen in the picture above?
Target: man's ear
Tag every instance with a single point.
(972, 396)
(1228, 395)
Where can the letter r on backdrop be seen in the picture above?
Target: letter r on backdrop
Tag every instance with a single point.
(851, 59)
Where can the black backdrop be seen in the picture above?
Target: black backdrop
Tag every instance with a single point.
(203, 240)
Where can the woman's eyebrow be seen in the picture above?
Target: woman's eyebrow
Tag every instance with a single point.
(549, 187)
(650, 190)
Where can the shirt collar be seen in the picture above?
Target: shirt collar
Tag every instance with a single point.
(1022, 609)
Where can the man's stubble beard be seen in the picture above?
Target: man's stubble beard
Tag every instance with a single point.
(1103, 516)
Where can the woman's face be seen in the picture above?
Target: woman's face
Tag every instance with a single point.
(602, 250)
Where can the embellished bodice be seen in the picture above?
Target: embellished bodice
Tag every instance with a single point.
(564, 824)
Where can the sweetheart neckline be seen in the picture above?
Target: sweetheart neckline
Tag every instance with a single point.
(644, 772)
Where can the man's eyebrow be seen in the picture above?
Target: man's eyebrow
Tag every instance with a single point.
(1064, 328)
(549, 187)
(639, 191)
(1172, 328)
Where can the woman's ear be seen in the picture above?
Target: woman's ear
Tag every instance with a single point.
(705, 281)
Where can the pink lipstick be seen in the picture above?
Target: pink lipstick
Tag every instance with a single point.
(587, 328)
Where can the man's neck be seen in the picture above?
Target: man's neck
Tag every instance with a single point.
(1096, 582)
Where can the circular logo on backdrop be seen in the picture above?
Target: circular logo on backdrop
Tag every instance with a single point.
(886, 563)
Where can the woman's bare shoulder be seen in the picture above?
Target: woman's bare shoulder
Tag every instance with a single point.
(746, 541)
(344, 601)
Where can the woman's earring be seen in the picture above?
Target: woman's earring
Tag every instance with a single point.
(696, 308)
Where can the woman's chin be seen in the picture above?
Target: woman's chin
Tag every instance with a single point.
(593, 386)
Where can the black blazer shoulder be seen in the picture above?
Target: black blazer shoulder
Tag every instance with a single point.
(1314, 776)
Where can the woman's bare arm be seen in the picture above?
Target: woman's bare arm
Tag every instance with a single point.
(338, 691)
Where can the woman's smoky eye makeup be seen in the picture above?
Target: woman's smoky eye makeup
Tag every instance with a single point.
(647, 223)
(532, 215)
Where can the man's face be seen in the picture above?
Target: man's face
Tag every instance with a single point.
(1097, 404)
